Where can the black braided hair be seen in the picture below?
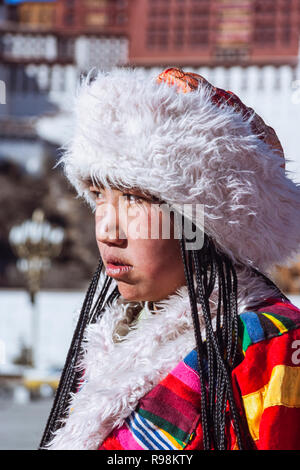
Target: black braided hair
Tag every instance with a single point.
(70, 377)
(218, 353)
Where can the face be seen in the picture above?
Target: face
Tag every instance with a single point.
(145, 266)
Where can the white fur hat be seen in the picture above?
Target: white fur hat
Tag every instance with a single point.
(186, 149)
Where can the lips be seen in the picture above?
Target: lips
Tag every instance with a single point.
(112, 260)
(116, 267)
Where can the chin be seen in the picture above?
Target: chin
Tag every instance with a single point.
(130, 293)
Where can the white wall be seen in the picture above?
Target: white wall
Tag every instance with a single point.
(57, 314)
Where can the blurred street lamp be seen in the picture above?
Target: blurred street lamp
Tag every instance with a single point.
(35, 242)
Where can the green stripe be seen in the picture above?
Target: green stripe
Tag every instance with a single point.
(269, 327)
(177, 433)
(243, 334)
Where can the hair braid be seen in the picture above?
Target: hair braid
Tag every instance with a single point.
(220, 347)
(199, 345)
(70, 376)
(218, 353)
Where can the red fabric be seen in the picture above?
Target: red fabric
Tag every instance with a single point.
(111, 443)
(255, 370)
(279, 429)
(197, 441)
(186, 393)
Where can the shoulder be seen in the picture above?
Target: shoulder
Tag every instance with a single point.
(268, 376)
(275, 318)
(270, 343)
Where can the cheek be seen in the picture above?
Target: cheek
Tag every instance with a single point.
(148, 222)
(158, 259)
(100, 248)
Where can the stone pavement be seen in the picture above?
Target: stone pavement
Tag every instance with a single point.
(22, 425)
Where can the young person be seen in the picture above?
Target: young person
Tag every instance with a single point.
(183, 341)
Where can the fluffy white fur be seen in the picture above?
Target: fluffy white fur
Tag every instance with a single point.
(123, 361)
(184, 149)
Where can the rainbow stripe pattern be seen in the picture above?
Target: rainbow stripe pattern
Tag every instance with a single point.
(266, 380)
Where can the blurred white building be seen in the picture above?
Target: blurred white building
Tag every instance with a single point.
(57, 315)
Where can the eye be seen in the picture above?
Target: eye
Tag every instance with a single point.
(133, 198)
(97, 194)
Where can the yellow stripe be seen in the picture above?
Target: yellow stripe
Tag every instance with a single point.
(283, 389)
(171, 438)
(277, 323)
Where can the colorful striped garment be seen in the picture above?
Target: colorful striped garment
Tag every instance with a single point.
(266, 383)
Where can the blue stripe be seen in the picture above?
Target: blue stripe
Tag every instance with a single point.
(191, 360)
(139, 435)
(166, 443)
(147, 433)
(254, 328)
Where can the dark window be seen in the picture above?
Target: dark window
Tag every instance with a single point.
(264, 36)
(157, 39)
(121, 18)
(231, 55)
(268, 6)
(286, 35)
(197, 38)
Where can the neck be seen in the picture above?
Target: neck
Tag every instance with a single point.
(252, 291)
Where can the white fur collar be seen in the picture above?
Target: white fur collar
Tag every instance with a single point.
(120, 371)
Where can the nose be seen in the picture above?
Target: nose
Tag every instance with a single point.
(108, 227)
